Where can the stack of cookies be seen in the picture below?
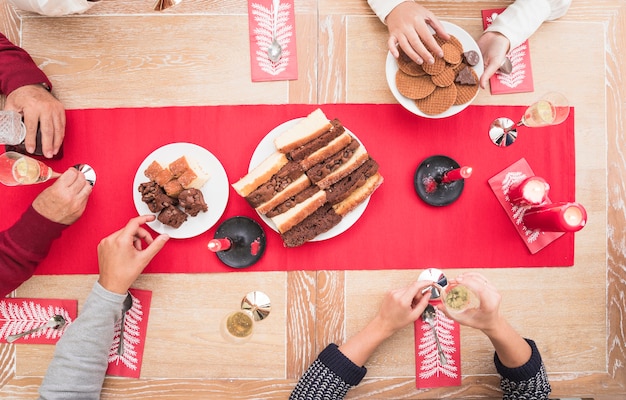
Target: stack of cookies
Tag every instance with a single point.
(436, 87)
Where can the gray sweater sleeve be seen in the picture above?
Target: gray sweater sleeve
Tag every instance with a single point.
(80, 360)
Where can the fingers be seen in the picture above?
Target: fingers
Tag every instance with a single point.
(156, 246)
(490, 69)
(392, 45)
(30, 121)
(438, 28)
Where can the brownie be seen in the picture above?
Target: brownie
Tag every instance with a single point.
(314, 145)
(277, 183)
(292, 201)
(342, 189)
(192, 201)
(332, 163)
(322, 220)
(155, 198)
(172, 216)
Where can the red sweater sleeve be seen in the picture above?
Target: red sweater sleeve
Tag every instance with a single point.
(23, 246)
(17, 68)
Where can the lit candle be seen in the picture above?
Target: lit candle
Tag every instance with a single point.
(556, 217)
(219, 244)
(456, 174)
(530, 191)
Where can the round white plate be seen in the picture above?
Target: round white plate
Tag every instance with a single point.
(266, 147)
(215, 191)
(391, 67)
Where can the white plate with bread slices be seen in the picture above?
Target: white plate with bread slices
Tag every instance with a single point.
(468, 43)
(267, 147)
(215, 190)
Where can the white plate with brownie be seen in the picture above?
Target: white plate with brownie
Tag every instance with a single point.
(200, 170)
(266, 147)
(439, 90)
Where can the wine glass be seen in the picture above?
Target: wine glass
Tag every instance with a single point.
(238, 325)
(551, 109)
(19, 169)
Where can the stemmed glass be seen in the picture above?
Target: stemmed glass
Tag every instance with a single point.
(237, 326)
(19, 169)
(551, 109)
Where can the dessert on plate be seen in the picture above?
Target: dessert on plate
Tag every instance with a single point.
(317, 174)
(174, 190)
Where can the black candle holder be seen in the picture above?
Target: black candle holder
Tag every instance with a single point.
(247, 242)
(428, 181)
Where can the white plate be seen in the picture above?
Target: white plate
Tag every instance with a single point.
(266, 147)
(391, 67)
(215, 191)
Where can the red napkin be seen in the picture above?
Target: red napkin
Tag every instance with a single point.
(19, 315)
(535, 240)
(520, 79)
(429, 370)
(128, 364)
(268, 19)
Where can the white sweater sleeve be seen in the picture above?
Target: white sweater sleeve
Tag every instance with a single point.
(80, 360)
(382, 8)
(522, 18)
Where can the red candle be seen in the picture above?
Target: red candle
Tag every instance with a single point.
(456, 174)
(556, 217)
(219, 244)
(530, 191)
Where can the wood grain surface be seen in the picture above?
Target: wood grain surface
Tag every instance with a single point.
(124, 54)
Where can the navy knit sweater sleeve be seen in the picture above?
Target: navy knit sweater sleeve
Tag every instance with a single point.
(332, 374)
(528, 382)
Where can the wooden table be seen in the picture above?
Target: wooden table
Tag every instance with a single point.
(123, 54)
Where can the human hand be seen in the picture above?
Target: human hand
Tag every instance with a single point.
(494, 47)
(487, 316)
(38, 106)
(65, 200)
(402, 306)
(121, 257)
(408, 26)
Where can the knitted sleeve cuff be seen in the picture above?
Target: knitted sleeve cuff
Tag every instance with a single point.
(524, 372)
(341, 365)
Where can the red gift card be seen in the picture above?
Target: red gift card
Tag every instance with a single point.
(127, 360)
(430, 370)
(272, 32)
(520, 79)
(21, 315)
(535, 240)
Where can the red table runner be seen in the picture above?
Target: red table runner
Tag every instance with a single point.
(397, 230)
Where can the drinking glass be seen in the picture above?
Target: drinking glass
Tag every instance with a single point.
(551, 109)
(238, 326)
(19, 169)
(457, 298)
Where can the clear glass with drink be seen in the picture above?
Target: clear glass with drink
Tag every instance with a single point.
(551, 109)
(18, 169)
(458, 298)
(238, 326)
